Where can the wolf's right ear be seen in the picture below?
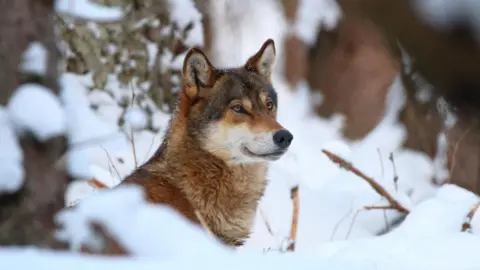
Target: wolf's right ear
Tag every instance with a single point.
(264, 60)
(197, 71)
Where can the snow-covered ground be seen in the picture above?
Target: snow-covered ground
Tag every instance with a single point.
(334, 230)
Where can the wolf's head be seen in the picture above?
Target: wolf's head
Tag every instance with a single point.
(232, 112)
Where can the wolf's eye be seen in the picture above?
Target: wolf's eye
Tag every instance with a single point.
(238, 108)
(269, 105)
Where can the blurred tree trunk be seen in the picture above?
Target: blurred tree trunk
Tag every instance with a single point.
(203, 7)
(295, 61)
(420, 115)
(353, 69)
(449, 61)
(27, 216)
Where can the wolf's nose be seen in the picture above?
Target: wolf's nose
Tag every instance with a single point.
(283, 138)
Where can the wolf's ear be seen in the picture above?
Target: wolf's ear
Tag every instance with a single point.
(197, 70)
(264, 60)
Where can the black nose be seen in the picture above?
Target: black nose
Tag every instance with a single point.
(283, 138)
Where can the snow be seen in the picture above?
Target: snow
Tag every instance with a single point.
(88, 10)
(35, 59)
(334, 230)
(136, 118)
(131, 221)
(86, 132)
(34, 108)
(312, 14)
(443, 14)
(184, 12)
(11, 156)
(421, 239)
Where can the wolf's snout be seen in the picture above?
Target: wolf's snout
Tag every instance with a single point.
(283, 138)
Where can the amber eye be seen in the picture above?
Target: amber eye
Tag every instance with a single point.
(238, 108)
(269, 105)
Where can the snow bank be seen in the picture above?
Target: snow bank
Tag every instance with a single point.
(430, 237)
(20, 259)
(143, 229)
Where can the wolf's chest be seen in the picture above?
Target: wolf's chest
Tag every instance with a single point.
(236, 203)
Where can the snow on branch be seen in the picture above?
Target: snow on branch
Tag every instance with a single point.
(183, 13)
(88, 10)
(35, 59)
(393, 203)
(34, 108)
(11, 156)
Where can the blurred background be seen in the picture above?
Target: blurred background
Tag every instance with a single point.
(391, 86)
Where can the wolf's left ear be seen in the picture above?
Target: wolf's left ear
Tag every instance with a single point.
(197, 70)
(264, 60)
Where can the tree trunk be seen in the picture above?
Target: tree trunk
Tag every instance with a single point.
(27, 216)
(353, 68)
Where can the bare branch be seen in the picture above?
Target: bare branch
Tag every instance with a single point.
(467, 225)
(294, 228)
(394, 204)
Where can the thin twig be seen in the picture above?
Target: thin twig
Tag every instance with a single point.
(467, 225)
(385, 218)
(110, 162)
(378, 188)
(395, 175)
(132, 136)
(383, 176)
(294, 228)
(353, 223)
(267, 224)
(148, 151)
(132, 143)
(337, 225)
(381, 162)
(455, 149)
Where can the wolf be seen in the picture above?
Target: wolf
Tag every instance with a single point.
(212, 164)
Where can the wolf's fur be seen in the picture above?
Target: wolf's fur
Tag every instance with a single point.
(214, 157)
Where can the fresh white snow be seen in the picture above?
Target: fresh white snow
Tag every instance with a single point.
(88, 10)
(34, 108)
(443, 14)
(11, 156)
(136, 118)
(35, 59)
(184, 12)
(313, 15)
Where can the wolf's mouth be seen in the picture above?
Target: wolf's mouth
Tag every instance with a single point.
(272, 155)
